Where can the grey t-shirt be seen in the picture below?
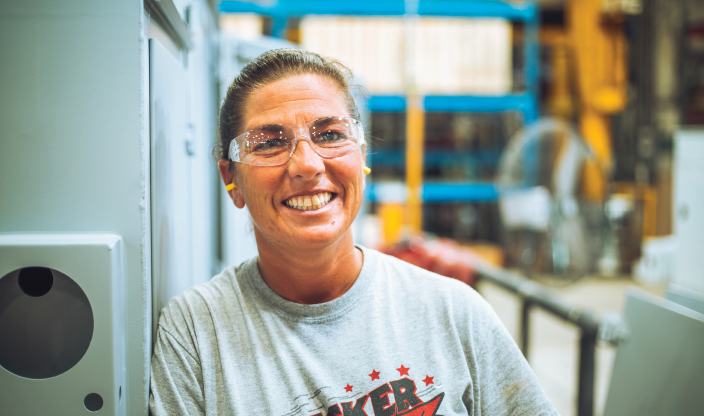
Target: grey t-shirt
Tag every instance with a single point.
(401, 341)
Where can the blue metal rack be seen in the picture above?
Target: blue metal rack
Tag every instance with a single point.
(522, 102)
(449, 192)
(525, 11)
(437, 158)
(526, 102)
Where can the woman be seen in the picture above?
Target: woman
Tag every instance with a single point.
(315, 325)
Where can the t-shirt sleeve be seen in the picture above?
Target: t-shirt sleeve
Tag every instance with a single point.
(505, 382)
(176, 386)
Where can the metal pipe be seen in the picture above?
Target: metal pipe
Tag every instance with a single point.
(539, 295)
(525, 326)
(532, 294)
(585, 386)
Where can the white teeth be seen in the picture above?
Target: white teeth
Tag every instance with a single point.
(307, 203)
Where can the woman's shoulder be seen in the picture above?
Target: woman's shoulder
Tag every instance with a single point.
(414, 281)
(439, 299)
(201, 301)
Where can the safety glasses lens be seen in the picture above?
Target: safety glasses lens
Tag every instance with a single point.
(274, 144)
(266, 145)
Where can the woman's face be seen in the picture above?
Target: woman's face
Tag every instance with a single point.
(268, 191)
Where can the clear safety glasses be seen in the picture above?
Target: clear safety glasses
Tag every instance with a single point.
(274, 144)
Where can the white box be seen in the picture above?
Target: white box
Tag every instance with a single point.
(62, 325)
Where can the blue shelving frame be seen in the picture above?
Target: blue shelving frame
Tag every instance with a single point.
(445, 192)
(521, 102)
(525, 10)
(525, 102)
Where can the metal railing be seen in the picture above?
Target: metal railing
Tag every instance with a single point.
(610, 328)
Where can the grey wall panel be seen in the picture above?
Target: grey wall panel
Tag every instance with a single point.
(686, 297)
(75, 152)
(688, 208)
(659, 370)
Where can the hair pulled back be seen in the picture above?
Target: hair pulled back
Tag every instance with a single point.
(269, 67)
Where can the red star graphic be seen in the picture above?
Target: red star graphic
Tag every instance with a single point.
(403, 370)
(374, 375)
(348, 388)
(428, 380)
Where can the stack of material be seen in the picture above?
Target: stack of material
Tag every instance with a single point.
(444, 55)
(445, 257)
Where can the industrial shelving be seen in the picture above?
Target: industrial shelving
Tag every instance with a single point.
(525, 102)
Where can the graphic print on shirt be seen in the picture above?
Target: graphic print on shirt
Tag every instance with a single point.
(399, 397)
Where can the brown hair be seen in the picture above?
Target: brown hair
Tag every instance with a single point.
(269, 67)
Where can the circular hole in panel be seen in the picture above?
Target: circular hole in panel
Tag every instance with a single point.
(93, 402)
(43, 334)
(35, 281)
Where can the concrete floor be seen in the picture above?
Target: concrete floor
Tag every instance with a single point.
(553, 349)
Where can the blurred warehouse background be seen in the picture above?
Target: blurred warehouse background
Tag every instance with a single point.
(552, 148)
(456, 82)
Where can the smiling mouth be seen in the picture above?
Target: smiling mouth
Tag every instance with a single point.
(309, 202)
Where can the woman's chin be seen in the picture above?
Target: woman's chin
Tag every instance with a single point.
(320, 236)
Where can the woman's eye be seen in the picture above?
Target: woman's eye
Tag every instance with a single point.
(331, 136)
(271, 144)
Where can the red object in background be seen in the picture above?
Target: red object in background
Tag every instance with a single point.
(442, 256)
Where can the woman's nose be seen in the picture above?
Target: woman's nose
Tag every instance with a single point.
(305, 163)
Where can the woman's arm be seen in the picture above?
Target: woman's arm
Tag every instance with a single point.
(505, 383)
(176, 386)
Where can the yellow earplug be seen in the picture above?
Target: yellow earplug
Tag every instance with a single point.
(367, 170)
(230, 186)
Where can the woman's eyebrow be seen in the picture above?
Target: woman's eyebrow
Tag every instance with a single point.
(322, 122)
(270, 127)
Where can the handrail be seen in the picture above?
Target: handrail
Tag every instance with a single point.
(609, 328)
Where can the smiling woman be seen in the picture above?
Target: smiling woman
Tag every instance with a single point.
(316, 325)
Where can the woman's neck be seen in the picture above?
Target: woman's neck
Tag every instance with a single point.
(310, 276)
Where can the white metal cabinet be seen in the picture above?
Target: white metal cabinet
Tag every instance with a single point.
(172, 271)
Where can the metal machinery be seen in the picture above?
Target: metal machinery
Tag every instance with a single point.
(595, 36)
(589, 85)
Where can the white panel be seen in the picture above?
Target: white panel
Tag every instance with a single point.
(202, 61)
(172, 271)
(688, 209)
(91, 266)
(447, 55)
(244, 25)
(371, 47)
(237, 239)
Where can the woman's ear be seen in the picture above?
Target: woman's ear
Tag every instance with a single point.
(229, 179)
(363, 154)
